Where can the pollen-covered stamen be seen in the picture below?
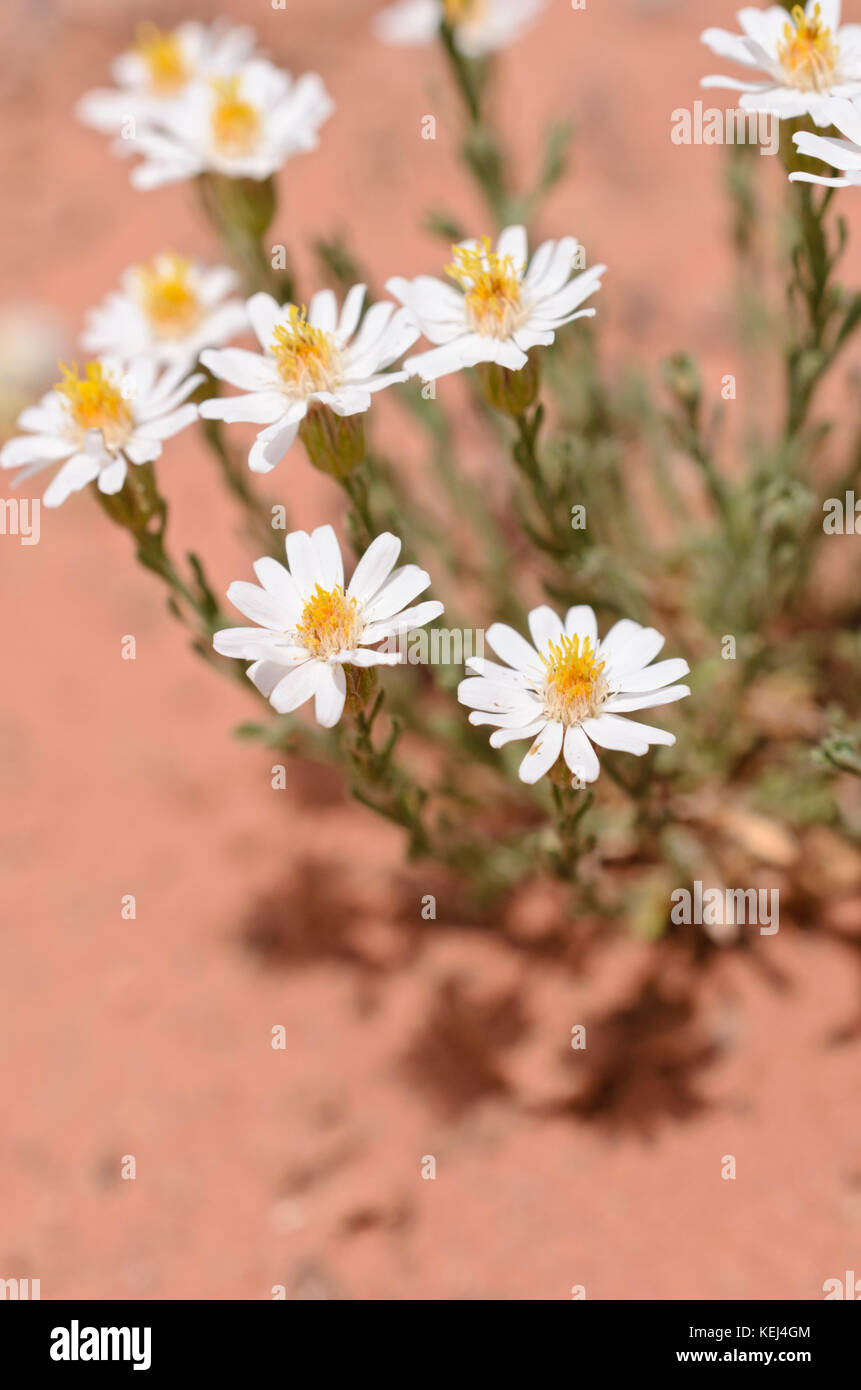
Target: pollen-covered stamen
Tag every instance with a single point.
(330, 623)
(575, 687)
(308, 359)
(162, 53)
(95, 401)
(235, 123)
(491, 288)
(807, 53)
(167, 296)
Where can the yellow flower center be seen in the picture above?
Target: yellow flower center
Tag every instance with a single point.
(491, 288)
(167, 295)
(95, 401)
(307, 358)
(807, 53)
(235, 123)
(574, 685)
(458, 11)
(330, 623)
(162, 54)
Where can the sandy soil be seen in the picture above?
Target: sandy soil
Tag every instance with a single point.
(302, 1167)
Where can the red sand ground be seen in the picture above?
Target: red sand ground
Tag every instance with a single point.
(151, 1038)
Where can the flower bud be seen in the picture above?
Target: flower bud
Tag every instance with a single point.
(511, 391)
(335, 443)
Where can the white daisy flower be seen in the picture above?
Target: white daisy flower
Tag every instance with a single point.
(502, 309)
(807, 57)
(307, 361)
(568, 690)
(839, 154)
(161, 65)
(170, 309)
(244, 125)
(310, 626)
(99, 422)
(479, 26)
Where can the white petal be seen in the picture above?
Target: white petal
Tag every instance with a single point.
(272, 444)
(259, 605)
(34, 448)
(650, 699)
(351, 312)
(514, 649)
(545, 627)
(543, 753)
(580, 756)
(512, 242)
(500, 737)
(111, 479)
(166, 426)
(330, 565)
(400, 588)
(504, 675)
(365, 656)
(74, 475)
(330, 695)
(277, 581)
(323, 311)
(631, 655)
(620, 633)
(296, 687)
(302, 559)
(581, 622)
(263, 314)
(624, 735)
(265, 675)
(403, 622)
(476, 692)
(654, 677)
(374, 567)
(250, 644)
(142, 450)
(551, 266)
(249, 371)
(514, 719)
(256, 408)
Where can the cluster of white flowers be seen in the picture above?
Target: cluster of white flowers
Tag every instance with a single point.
(811, 66)
(198, 100)
(132, 393)
(498, 312)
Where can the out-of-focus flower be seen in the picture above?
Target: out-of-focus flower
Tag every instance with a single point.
(98, 422)
(310, 626)
(161, 65)
(839, 154)
(479, 26)
(569, 690)
(501, 309)
(807, 57)
(308, 361)
(31, 341)
(170, 309)
(244, 125)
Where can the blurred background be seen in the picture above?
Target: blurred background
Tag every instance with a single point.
(405, 1039)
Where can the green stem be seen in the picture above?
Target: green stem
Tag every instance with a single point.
(241, 211)
(481, 149)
